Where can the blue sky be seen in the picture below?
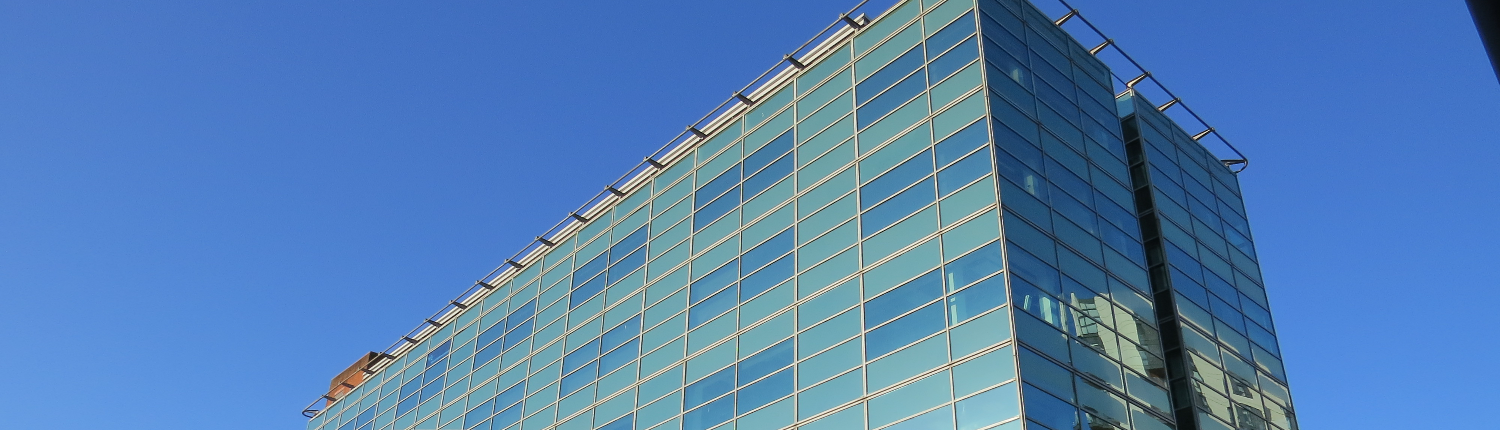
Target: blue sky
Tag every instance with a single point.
(208, 210)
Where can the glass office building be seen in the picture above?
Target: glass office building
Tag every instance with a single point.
(949, 216)
(1216, 320)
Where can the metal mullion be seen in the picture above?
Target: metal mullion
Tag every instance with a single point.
(948, 293)
(790, 104)
(919, 69)
(972, 36)
(859, 367)
(683, 312)
(819, 86)
(948, 366)
(814, 86)
(875, 264)
(923, 66)
(945, 24)
(893, 167)
(939, 110)
(792, 151)
(819, 108)
(767, 405)
(739, 385)
(903, 132)
(769, 212)
(820, 156)
(825, 233)
(863, 238)
(763, 294)
(400, 346)
(902, 190)
(836, 314)
(903, 420)
(830, 203)
(966, 155)
(695, 254)
(917, 19)
(792, 228)
(835, 254)
(713, 198)
(729, 337)
(959, 69)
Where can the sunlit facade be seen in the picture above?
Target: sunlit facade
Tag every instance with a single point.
(929, 220)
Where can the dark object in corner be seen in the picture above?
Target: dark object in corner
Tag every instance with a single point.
(1487, 17)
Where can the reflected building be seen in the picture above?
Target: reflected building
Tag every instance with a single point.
(950, 215)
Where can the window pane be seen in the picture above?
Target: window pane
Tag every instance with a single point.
(974, 266)
(896, 179)
(988, 408)
(709, 415)
(765, 391)
(765, 362)
(905, 330)
(708, 388)
(963, 172)
(892, 98)
(713, 306)
(925, 393)
(898, 207)
(903, 298)
(951, 34)
(940, 419)
(904, 65)
(768, 277)
(619, 357)
(1050, 411)
(717, 187)
(977, 299)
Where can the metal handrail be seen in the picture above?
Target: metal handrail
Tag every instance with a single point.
(658, 161)
(1243, 161)
(600, 201)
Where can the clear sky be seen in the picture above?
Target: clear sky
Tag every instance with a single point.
(208, 209)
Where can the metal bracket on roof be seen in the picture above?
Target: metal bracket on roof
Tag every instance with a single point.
(565, 227)
(790, 59)
(1101, 46)
(456, 304)
(847, 20)
(1168, 104)
(513, 263)
(1065, 17)
(1137, 80)
(654, 163)
(615, 191)
(1203, 133)
(1228, 163)
(544, 241)
(433, 323)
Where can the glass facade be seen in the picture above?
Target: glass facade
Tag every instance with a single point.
(935, 221)
(1227, 367)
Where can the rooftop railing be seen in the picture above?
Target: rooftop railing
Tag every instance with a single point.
(847, 24)
(739, 102)
(1132, 76)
